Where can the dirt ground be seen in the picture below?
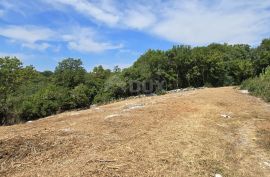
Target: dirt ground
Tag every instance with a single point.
(195, 133)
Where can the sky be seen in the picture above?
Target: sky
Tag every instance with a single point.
(116, 32)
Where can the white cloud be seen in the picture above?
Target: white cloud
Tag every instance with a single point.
(110, 13)
(195, 23)
(140, 18)
(190, 22)
(28, 36)
(83, 40)
(84, 45)
(39, 38)
(8, 6)
(92, 10)
(37, 46)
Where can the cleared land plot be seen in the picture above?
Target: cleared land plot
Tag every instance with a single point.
(195, 133)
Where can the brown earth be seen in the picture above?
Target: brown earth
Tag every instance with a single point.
(179, 134)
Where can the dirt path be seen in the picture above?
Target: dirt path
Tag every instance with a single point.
(196, 133)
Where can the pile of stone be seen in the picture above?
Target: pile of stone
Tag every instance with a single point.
(185, 89)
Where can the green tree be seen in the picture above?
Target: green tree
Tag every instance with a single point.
(10, 69)
(70, 73)
(262, 59)
(80, 96)
(12, 76)
(115, 86)
(45, 102)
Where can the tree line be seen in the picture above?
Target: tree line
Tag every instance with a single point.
(27, 94)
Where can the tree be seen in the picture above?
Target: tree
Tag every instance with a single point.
(179, 60)
(116, 69)
(70, 73)
(47, 73)
(10, 69)
(95, 80)
(115, 86)
(80, 96)
(45, 102)
(263, 56)
(12, 76)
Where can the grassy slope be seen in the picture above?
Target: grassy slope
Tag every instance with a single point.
(179, 134)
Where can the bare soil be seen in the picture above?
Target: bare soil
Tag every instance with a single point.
(178, 134)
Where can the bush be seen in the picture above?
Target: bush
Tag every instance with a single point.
(80, 96)
(103, 97)
(115, 86)
(44, 103)
(259, 86)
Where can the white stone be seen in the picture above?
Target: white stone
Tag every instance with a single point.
(66, 130)
(134, 106)
(244, 91)
(225, 116)
(218, 175)
(267, 164)
(112, 116)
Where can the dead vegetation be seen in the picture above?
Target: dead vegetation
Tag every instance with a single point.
(178, 134)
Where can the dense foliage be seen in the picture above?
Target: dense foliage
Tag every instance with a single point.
(26, 94)
(259, 86)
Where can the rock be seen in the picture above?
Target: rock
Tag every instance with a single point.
(111, 116)
(29, 122)
(178, 90)
(267, 163)
(225, 116)
(151, 94)
(185, 89)
(93, 106)
(134, 106)
(66, 130)
(175, 91)
(244, 91)
(218, 175)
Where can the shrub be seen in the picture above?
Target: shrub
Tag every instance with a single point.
(44, 103)
(80, 96)
(259, 86)
(103, 97)
(115, 86)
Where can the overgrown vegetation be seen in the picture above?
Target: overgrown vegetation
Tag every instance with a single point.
(26, 94)
(259, 86)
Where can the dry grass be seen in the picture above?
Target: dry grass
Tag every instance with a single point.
(180, 134)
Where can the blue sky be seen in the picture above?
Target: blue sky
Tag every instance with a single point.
(117, 32)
